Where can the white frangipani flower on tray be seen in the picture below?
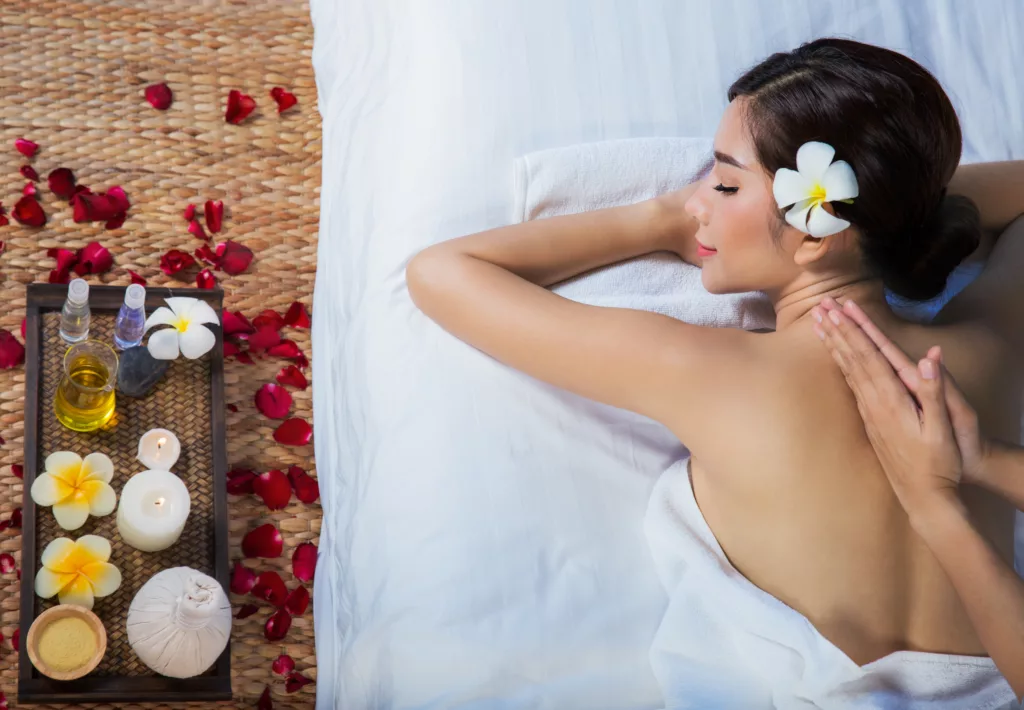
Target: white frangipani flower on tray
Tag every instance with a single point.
(815, 181)
(187, 334)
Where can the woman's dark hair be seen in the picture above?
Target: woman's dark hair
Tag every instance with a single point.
(889, 118)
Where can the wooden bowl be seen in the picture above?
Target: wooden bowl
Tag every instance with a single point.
(60, 612)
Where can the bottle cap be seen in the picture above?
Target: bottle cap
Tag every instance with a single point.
(78, 291)
(135, 296)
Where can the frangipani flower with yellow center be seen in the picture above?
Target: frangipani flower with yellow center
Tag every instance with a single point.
(187, 318)
(76, 488)
(815, 181)
(77, 571)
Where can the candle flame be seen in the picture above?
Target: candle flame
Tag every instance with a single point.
(159, 501)
(160, 442)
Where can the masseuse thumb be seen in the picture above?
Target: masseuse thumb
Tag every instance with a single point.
(932, 397)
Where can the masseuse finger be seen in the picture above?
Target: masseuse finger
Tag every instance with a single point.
(852, 367)
(901, 363)
(936, 424)
(870, 369)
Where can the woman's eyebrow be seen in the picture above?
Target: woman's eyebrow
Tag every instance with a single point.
(729, 160)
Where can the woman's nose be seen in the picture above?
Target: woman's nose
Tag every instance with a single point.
(697, 208)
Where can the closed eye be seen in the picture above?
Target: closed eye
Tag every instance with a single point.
(727, 190)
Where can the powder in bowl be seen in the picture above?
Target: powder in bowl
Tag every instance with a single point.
(67, 643)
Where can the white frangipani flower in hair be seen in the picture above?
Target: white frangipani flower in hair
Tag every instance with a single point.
(815, 181)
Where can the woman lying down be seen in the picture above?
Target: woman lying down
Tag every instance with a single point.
(796, 579)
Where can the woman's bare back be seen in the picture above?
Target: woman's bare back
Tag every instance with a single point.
(788, 482)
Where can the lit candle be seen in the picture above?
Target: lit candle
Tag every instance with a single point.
(153, 509)
(159, 449)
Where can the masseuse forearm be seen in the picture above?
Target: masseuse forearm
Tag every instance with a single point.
(547, 251)
(996, 188)
(1002, 472)
(990, 590)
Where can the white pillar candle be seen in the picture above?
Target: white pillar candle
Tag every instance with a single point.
(159, 449)
(152, 512)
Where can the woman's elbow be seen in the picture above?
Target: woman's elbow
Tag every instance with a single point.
(423, 276)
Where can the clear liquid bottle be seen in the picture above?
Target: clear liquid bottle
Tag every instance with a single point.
(131, 319)
(74, 317)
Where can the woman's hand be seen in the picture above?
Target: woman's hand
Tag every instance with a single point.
(680, 229)
(915, 442)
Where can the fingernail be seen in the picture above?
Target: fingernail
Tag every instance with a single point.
(816, 314)
(834, 316)
(928, 370)
(850, 303)
(819, 332)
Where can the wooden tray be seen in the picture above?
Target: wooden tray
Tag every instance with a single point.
(190, 402)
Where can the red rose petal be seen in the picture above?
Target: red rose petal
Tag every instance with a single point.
(270, 588)
(240, 481)
(117, 221)
(29, 190)
(230, 348)
(7, 564)
(205, 253)
(66, 258)
(244, 358)
(206, 279)
(298, 601)
(304, 562)
(269, 319)
(29, 173)
(25, 147)
(98, 207)
(232, 408)
(285, 99)
(62, 183)
(273, 488)
(307, 489)
(12, 353)
(264, 338)
(239, 106)
(292, 376)
(16, 639)
(196, 230)
(214, 213)
(234, 258)
(175, 260)
(159, 96)
(286, 349)
(120, 198)
(190, 212)
(24, 323)
(277, 625)
(93, 258)
(28, 212)
(265, 703)
(296, 682)
(283, 664)
(136, 279)
(242, 579)
(16, 518)
(293, 432)
(296, 316)
(273, 400)
(18, 470)
(246, 611)
(3, 221)
(59, 277)
(264, 541)
(236, 323)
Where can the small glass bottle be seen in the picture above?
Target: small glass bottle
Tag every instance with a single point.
(74, 317)
(131, 319)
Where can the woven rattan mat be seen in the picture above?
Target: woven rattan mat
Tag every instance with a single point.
(72, 80)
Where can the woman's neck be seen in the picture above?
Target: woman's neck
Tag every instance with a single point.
(794, 304)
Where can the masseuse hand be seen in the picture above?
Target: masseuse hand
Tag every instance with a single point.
(924, 446)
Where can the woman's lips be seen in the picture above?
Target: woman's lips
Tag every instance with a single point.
(705, 251)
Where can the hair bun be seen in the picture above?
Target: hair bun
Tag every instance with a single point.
(948, 236)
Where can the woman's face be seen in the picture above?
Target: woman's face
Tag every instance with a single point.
(737, 214)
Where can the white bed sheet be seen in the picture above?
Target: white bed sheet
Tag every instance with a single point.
(482, 542)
